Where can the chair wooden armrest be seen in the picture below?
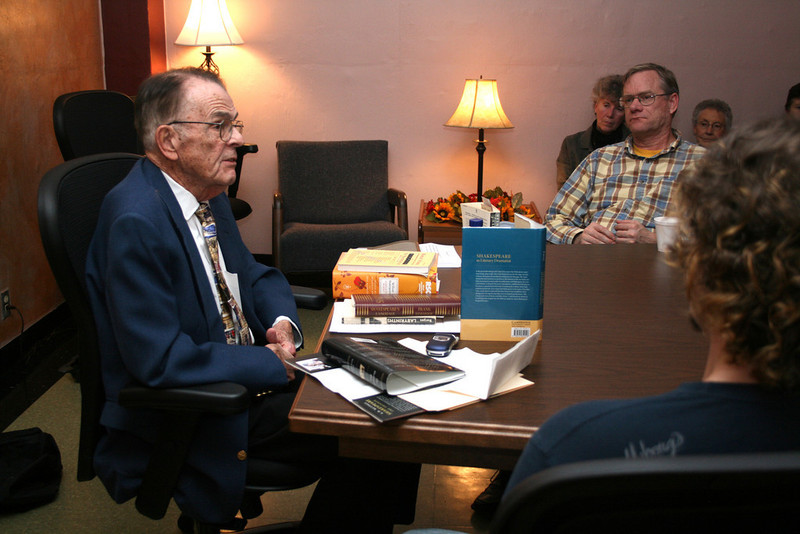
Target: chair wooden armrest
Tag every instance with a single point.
(399, 203)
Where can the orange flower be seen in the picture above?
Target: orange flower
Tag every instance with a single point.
(449, 208)
(443, 212)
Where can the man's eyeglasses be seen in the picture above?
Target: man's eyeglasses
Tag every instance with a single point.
(716, 126)
(645, 99)
(225, 127)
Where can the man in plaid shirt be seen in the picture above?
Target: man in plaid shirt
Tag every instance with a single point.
(617, 191)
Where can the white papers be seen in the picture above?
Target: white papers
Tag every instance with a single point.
(448, 257)
(486, 373)
(346, 384)
(345, 309)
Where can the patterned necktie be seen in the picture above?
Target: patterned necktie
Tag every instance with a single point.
(229, 305)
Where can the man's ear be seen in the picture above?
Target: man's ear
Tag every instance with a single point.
(167, 141)
(673, 103)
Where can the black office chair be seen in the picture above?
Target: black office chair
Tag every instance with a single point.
(720, 493)
(70, 196)
(240, 208)
(100, 121)
(93, 122)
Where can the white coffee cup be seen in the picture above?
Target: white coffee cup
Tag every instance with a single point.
(666, 232)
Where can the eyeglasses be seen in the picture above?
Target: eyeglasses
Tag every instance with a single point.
(645, 99)
(716, 126)
(225, 127)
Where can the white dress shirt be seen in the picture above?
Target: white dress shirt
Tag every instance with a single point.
(189, 205)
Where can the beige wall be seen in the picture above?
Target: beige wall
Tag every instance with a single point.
(47, 47)
(391, 69)
(394, 69)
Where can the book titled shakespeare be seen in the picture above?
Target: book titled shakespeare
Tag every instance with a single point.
(440, 304)
(502, 281)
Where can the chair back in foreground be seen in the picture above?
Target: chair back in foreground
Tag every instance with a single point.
(719, 493)
(70, 196)
(332, 196)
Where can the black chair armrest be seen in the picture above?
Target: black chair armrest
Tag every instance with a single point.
(399, 203)
(222, 398)
(309, 298)
(184, 406)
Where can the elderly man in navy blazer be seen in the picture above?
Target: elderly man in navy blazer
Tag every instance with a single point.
(179, 301)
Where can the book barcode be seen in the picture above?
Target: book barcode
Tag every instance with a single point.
(520, 332)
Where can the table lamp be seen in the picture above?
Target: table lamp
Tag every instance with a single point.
(479, 108)
(209, 24)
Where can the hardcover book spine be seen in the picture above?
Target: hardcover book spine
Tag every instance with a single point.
(375, 309)
(356, 365)
(398, 319)
(348, 283)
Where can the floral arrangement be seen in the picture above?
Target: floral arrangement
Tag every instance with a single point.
(448, 208)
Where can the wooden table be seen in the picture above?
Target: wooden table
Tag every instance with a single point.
(444, 233)
(615, 325)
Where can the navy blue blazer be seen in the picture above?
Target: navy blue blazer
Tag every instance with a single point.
(158, 325)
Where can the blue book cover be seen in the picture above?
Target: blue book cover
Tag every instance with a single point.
(502, 282)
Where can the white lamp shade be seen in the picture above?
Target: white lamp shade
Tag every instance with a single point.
(479, 107)
(209, 24)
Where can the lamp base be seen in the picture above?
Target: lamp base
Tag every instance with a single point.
(209, 64)
(481, 148)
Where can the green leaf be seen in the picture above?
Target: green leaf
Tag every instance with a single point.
(492, 193)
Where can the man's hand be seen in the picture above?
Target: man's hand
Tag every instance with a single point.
(596, 234)
(280, 339)
(629, 231)
(281, 353)
(283, 335)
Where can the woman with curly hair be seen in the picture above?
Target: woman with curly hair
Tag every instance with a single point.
(740, 250)
(740, 208)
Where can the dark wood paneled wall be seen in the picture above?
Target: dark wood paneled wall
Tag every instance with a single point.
(48, 48)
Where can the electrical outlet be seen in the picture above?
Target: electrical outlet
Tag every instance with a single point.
(5, 304)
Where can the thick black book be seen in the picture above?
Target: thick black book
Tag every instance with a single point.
(388, 365)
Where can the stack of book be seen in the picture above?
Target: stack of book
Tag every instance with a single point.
(365, 271)
(403, 309)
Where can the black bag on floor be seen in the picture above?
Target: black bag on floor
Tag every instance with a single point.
(30, 469)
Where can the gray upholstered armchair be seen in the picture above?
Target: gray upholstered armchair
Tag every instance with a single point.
(332, 196)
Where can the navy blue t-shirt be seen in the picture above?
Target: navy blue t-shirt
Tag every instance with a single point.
(695, 418)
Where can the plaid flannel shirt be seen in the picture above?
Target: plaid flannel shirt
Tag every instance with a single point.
(613, 184)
